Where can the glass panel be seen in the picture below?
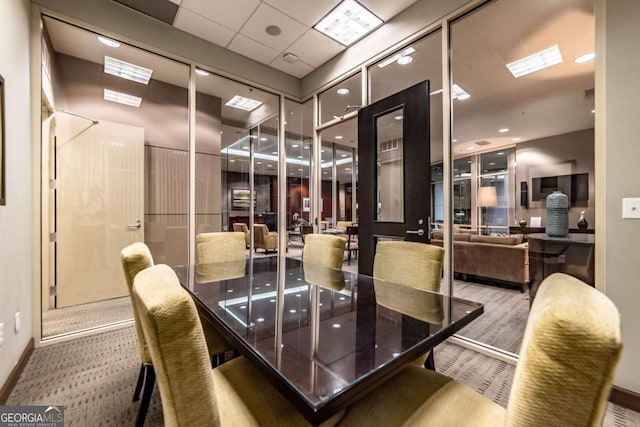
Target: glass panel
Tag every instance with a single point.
(227, 134)
(543, 119)
(120, 178)
(298, 142)
(341, 99)
(390, 174)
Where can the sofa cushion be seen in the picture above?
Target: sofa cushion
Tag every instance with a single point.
(499, 240)
(460, 237)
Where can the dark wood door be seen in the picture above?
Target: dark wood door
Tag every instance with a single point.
(394, 172)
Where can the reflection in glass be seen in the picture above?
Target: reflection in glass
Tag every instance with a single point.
(341, 99)
(390, 161)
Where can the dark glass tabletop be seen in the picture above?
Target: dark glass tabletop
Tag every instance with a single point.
(323, 337)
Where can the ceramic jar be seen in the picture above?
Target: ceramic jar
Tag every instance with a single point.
(557, 214)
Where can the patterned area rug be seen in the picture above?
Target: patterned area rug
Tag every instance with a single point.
(61, 321)
(94, 378)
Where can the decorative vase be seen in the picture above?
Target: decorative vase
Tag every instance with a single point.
(557, 214)
(582, 222)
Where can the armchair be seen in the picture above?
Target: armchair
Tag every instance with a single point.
(242, 227)
(264, 239)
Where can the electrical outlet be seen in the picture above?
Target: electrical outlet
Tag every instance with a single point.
(631, 208)
(16, 322)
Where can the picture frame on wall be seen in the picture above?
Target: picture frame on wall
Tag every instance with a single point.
(240, 199)
(2, 143)
(306, 204)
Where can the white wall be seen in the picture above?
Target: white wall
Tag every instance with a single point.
(15, 218)
(618, 172)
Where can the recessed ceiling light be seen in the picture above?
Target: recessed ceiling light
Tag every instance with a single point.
(269, 166)
(202, 72)
(306, 147)
(458, 93)
(593, 111)
(536, 62)
(338, 136)
(348, 22)
(245, 148)
(243, 103)
(232, 161)
(455, 140)
(516, 139)
(122, 98)
(299, 170)
(273, 30)
(343, 91)
(295, 145)
(469, 148)
(396, 57)
(263, 139)
(336, 325)
(126, 70)
(404, 60)
(501, 153)
(108, 41)
(343, 155)
(399, 117)
(584, 58)
(274, 152)
(503, 130)
(492, 164)
(258, 163)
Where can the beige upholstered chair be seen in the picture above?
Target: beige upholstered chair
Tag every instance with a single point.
(192, 393)
(570, 349)
(221, 256)
(323, 249)
(411, 264)
(242, 227)
(264, 239)
(135, 258)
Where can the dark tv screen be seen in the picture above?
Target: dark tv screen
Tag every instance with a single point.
(575, 186)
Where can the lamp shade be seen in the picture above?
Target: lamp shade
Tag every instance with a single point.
(487, 196)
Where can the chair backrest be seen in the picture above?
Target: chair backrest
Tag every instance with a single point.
(178, 349)
(342, 225)
(242, 227)
(418, 265)
(568, 356)
(135, 258)
(304, 230)
(323, 249)
(220, 247)
(260, 231)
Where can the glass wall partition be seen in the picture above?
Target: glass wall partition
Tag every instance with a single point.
(298, 144)
(119, 157)
(341, 99)
(236, 127)
(523, 100)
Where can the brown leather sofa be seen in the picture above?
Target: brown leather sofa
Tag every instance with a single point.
(499, 259)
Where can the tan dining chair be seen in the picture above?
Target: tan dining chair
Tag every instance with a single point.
(136, 258)
(324, 249)
(192, 393)
(352, 242)
(418, 265)
(571, 346)
(242, 227)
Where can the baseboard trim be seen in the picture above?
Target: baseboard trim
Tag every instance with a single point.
(12, 380)
(626, 398)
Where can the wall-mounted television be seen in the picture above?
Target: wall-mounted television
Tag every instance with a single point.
(575, 186)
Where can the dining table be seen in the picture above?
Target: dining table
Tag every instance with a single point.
(323, 337)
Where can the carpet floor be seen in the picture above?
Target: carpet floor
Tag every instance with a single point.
(94, 378)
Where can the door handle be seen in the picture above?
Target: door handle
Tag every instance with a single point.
(419, 232)
(138, 224)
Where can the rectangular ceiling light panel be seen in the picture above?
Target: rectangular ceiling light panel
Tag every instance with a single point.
(128, 71)
(536, 62)
(243, 103)
(122, 98)
(348, 22)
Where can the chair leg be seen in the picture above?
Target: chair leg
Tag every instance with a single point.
(430, 363)
(136, 393)
(149, 382)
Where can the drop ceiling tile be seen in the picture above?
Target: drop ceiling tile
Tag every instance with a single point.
(231, 14)
(201, 27)
(310, 14)
(315, 48)
(252, 49)
(385, 9)
(264, 16)
(298, 69)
